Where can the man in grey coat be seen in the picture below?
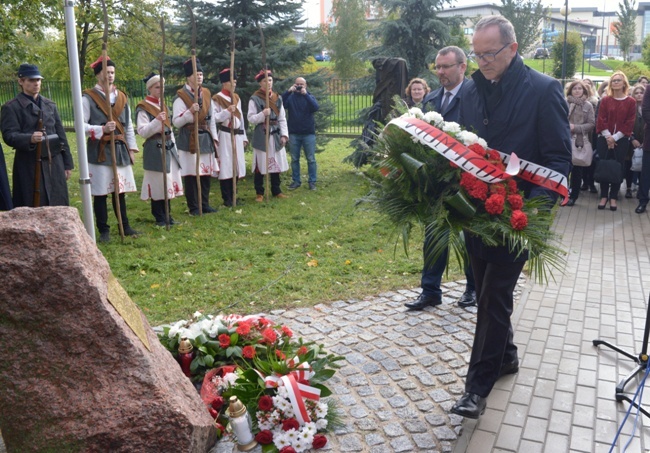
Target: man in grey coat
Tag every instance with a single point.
(19, 120)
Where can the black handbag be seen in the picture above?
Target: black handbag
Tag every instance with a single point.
(608, 171)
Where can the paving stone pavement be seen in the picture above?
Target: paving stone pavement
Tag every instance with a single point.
(403, 370)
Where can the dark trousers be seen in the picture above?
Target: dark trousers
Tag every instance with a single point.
(619, 152)
(576, 180)
(101, 211)
(258, 181)
(226, 191)
(493, 340)
(158, 210)
(432, 271)
(192, 193)
(644, 180)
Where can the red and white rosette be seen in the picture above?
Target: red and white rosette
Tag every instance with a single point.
(478, 165)
(296, 390)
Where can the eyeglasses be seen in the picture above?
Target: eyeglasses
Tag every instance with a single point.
(438, 67)
(487, 57)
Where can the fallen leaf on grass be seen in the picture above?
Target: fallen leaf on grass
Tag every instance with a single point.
(155, 285)
(143, 272)
(348, 262)
(312, 263)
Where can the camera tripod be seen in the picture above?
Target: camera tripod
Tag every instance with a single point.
(641, 364)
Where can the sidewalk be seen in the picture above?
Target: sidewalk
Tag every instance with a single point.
(562, 400)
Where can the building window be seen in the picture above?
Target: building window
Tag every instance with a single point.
(469, 31)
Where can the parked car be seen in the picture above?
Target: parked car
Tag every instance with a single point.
(322, 57)
(595, 56)
(541, 53)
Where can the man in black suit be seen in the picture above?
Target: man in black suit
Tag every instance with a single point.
(451, 63)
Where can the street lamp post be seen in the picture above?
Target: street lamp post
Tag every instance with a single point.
(591, 33)
(584, 43)
(565, 11)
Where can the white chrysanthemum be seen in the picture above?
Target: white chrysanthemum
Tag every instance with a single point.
(434, 118)
(230, 379)
(321, 424)
(292, 435)
(300, 445)
(310, 428)
(176, 328)
(482, 142)
(280, 440)
(282, 392)
(264, 424)
(416, 112)
(467, 137)
(451, 127)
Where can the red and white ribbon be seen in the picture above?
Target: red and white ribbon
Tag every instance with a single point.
(478, 165)
(297, 391)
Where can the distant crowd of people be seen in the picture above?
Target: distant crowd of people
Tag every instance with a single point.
(209, 143)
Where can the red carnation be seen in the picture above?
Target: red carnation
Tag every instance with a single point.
(319, 441)
(280, 354)
(512, 185)
(217, 403)
(244, 328)
(499, 189)
(302, 350)
(288, 449)
(290, 423)
(265, 403)
(479, 190)
(264, 322)
(269, 335)
(518, 220)
(287, 331)
(495, 204)
(493, 154)
(248, 352)
(515, 201)
(224, 340)
(478, 149)
(264, 437)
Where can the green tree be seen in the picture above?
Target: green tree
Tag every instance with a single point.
(412, 31)
(347, 37)
(526, 17)
(625, 28)
(215, 22)
(573, 54)
(22, 23)
(645, 52)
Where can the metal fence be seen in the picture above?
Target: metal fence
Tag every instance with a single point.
(347, 98)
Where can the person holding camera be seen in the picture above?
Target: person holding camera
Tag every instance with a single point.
(301, 106)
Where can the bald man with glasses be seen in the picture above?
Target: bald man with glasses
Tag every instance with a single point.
(516, 110)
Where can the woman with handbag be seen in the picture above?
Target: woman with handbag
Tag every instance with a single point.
(581, 121)
(614, 125)
(636, 141)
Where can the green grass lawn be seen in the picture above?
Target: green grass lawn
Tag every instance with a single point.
(316, 246)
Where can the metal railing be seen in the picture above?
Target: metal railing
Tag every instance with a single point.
(347, 98)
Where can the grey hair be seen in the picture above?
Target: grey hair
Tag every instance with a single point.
(457, 51)
(506, 30)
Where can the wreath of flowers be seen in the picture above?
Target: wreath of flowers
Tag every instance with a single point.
(416, 185)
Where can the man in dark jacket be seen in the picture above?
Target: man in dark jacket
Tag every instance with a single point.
(19, 124)
(450, 67)
(515, 109)
(301, 106)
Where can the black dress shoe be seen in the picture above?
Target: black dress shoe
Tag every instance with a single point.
(571, 202)
(104, 237)
(128, 231)
(470, 405)
(208, 210)
(640, 209)
(584, 187)
(423, 302)
(468, 299)
(509, 368)
(628, 193)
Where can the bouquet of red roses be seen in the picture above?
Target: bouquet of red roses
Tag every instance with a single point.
(433, 173)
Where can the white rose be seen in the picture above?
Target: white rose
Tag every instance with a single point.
(176, 328)
(467, 137)
(434, 118)
(451, 127)
(482, 142)
(416, 112)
